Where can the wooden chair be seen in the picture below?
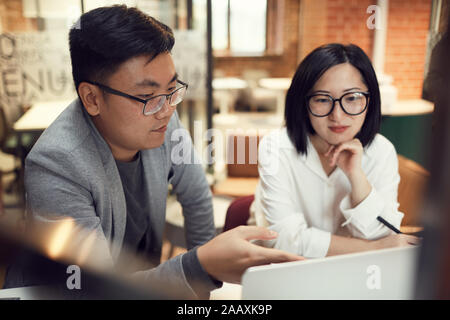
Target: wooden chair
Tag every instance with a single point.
(413, 181)
(238, 213)
(242, 168)
(12, 145)
(256, 96)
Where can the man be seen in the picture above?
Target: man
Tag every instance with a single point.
(106, 161)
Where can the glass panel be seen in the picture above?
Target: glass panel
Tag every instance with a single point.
(248, 26)
(53, 14)
(219, 24)
(51, 8)
(92, 4)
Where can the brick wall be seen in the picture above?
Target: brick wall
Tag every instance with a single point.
(341, 21)
(276, 65)
(11, 17)
(344, 21)
(347, 22)
(313, 26)
(408, 24)
(311, 23)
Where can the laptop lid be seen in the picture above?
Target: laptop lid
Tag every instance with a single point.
(380, 274)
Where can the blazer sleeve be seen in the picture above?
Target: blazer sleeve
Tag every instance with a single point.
(56, 189)
(168, 278)
(189, 183)
(184, 268)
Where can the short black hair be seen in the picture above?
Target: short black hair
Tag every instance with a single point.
(309, 71)
(105, 37)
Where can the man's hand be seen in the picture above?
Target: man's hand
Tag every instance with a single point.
(227, 256)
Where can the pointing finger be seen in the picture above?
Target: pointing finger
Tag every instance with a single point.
(268, 255)
(256, 233)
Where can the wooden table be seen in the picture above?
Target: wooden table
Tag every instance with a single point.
(412, 107)
(229, 291)
(227, 89)
(35, 120)
(40, 116)
(280, 85)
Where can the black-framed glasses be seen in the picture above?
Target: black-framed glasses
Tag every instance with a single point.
(352, 103)
(154, 104)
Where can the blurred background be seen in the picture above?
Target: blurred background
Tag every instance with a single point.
(238, 58)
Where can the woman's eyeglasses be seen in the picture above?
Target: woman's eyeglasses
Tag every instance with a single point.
(352, 103)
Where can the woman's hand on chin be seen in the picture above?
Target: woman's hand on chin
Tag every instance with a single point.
(347, 156)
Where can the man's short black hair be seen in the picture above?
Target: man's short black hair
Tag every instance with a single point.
(309, 71)
(106, 37)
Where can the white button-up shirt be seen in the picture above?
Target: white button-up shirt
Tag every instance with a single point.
(305, 206)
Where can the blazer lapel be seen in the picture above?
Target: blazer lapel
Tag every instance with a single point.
(116, 194)
(118, 207)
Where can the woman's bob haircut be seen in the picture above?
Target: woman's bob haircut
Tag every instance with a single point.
(309, 71)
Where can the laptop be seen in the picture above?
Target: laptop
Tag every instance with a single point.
(380, 274)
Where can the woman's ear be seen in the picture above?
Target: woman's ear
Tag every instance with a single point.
(90, 96)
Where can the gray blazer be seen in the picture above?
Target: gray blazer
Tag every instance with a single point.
(71, 172)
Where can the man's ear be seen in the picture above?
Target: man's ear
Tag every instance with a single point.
(90, 96)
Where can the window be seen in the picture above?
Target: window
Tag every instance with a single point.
(239, 27)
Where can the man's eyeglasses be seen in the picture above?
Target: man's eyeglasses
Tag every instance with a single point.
(352, 103)
(154, 104)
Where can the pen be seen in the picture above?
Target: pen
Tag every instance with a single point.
(387, 224)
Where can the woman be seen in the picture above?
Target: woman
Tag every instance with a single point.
(327, 176)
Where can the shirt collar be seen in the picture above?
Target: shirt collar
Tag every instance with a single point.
(312, 161)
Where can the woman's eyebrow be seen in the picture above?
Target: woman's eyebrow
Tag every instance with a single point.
(328, 92)
(358, 88)
(320, 91)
